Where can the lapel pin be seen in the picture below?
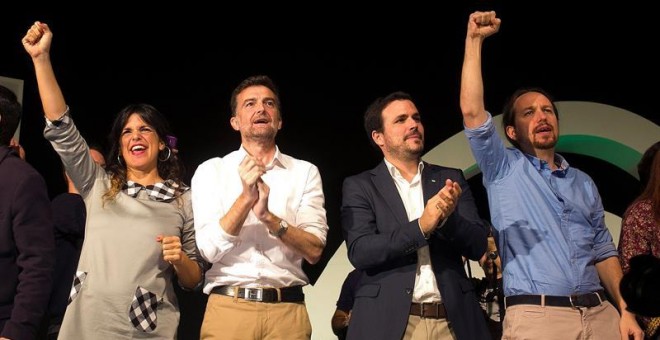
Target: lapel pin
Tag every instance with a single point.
(433, 180)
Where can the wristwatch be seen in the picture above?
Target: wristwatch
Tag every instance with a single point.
(283, 228)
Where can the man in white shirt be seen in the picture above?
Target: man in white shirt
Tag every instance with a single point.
(258, 214)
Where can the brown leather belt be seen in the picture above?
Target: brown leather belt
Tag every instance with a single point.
(429, 310)
(286, 294)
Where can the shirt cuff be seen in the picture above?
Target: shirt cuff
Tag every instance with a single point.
(422, 231)
(64, 118)
(479, 130)
(198, 287)
(429, 235)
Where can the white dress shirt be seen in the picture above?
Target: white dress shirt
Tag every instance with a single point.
(412, 195)
(254, 258)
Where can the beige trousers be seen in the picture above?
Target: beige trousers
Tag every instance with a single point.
(561, 323)
(425, 329)
(233, 318)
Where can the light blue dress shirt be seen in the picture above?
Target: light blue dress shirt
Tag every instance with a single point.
(551, 224)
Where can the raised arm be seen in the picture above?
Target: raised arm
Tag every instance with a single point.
(480, 26)
(37, 43)
(65, 138)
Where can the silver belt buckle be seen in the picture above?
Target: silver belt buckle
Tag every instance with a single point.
(254, 294)
(599, 299)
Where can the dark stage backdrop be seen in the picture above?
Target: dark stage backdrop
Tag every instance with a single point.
(330, 62)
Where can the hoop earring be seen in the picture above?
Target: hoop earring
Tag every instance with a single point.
(119, 160)
(169, 154)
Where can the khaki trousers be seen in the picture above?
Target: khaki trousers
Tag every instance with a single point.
(234, 318)
(425, 329)
(561, 323)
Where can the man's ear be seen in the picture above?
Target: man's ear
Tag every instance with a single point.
(511, 132)
(234, 123)
(377, 137)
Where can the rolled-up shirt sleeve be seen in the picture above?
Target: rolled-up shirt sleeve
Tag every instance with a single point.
(311, 215)
(603, 243)
(488, 150)
(213, 242)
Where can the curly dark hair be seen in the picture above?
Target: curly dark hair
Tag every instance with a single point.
(169, 165)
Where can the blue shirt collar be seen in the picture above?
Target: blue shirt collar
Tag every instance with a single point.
(541, 165)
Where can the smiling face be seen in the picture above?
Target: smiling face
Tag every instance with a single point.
(535, 123)
(140, 145)
(257, 114)
(403, 133)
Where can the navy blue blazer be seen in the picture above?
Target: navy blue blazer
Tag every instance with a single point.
(382, 242)
(27, 247)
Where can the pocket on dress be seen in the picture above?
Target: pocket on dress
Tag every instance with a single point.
(142, 313)
(78, 280)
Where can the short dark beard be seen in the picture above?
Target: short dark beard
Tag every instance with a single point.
(545, 146)
(408, 154)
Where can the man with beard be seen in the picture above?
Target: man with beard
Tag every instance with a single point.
(258, 214)
(553, 242)
(408, 224)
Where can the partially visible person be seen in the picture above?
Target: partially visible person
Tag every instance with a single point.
(491, 297)
(27, 244)
(342, 316)
(172, 143)
(639, 287)
(18, 148)
(644, 166)
(139, 233)
(408, 226)
(259, 213)
(640, 226)
(69, 215)
(555, 247)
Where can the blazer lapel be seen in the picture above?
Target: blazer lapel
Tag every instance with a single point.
(384, 183)
(432, 181)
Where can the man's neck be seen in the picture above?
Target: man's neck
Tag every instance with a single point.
(263, 151)
(407, 168)
(547, 155)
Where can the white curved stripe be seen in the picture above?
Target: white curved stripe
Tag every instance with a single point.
(611, 122)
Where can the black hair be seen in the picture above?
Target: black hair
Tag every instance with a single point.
(258, 80)
(169, 165)
(373, 117)
(509, 116)
(10, 114)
